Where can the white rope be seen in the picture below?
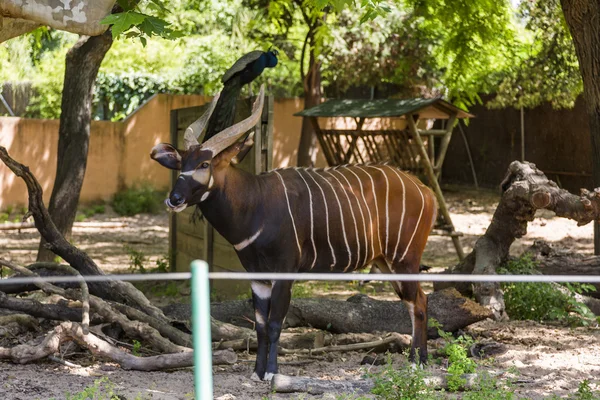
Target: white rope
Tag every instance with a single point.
(98, 278)
(308, 277)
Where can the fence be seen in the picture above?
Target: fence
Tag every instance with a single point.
(200, 277)
(118, 155)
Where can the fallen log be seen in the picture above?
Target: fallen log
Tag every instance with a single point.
(360, 313)
(37, 309)
(294, 384)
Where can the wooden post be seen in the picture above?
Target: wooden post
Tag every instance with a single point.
(324, 146)
(173, 125)
(444, 145)
(428, 167)
(270, 119)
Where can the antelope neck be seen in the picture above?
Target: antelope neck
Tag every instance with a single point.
(233, 206)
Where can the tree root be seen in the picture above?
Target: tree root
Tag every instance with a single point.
(66, 331)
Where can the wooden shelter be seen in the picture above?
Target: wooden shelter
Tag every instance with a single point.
(403, 136)
(190, 236)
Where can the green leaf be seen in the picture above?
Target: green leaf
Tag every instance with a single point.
(143, 40)
(123, 21)
(159, 5)
(153, 26)
(127, 5)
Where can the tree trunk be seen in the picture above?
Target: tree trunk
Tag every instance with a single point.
(312, 97)
(82, 63)
(583, 19)
(525, 189)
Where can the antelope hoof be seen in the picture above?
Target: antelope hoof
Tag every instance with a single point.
(268, 377)
(255, 377)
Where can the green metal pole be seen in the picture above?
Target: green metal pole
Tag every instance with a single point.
(203, 380)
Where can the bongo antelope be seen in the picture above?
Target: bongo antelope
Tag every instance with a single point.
(290, 220)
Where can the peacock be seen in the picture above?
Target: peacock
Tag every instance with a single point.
(244, 71)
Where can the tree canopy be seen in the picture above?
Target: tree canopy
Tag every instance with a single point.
(405, 48)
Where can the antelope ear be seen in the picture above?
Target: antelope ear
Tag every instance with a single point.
(236, 152)
(166, 155)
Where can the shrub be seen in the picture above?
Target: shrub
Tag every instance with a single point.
(137, 200)
(542, 301)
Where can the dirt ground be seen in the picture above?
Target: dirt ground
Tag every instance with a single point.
(550, 360)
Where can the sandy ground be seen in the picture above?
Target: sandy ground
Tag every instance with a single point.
(551, 360)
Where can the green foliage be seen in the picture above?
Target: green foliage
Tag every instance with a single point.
(585, 392)
(137, 259)
(542, 301)
(488, 388)
(456, 349)
(137, 346)
(137, 200)
(118, 95)
(102, 389)
(393, 49)
(546, 68)
(89, 212)
(137, 24)
(13, 214)
(404, 383)
(162, 264)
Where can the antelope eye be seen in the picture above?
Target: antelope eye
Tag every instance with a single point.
(204, 165)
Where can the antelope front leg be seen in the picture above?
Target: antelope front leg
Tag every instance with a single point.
(261, 297)
(281, 295)
(416, 302)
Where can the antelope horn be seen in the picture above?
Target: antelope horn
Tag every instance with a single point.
(193, 132)
(229, 136)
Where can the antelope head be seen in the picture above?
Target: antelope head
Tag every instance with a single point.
(198, 163)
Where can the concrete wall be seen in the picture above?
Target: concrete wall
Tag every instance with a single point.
(119, 151)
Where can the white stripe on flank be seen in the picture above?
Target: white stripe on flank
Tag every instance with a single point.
(333, 260)
(245, 243)
(368, 211)
(353, 218)
(376, 206)
(418, 220)
(362, 216)
(312, 221)
(387, 209)
(290, 211)
(403, 210)
(341, 220)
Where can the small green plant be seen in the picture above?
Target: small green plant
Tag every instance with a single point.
(137, 200)
(136, 260)
(456, 349)
(404, 383)
(542, 301)
(4, 217)
(488, 388)
(89, 212)
(162, 264)
(137, 346)
(585, 392)
(102, 389)
(301, 291)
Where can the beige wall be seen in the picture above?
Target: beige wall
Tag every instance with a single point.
(119, 151)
